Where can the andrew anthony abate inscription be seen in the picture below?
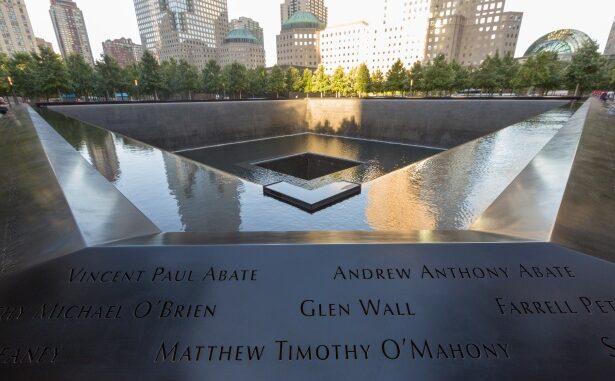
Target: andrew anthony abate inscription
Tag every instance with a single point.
(394, 312)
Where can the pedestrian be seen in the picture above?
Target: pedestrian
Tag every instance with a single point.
(603, 96)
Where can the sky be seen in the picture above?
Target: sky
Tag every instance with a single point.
(110, 19)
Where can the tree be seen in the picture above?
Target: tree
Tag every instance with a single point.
(586, 69)
(150, 79)
(234, 79)
(320, 81)
(110, 76)
(339, 83)
(541, 72)
(362, 81)
(487, 76)
(308, 82)
(22, 67)
(188, 78)
(212, 78)
(416, 77)
(461, 77)
(5, 87)
(52, 75)
(377, 82)
(439, 75)
(397, 78)
(294, 82)
(508, 71)
(277, 81)
(81, 74)
(258, 80)
(131, 77)
(171, 78)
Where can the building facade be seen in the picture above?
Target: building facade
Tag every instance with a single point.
(564, 42)
(173, 28)
(315, 7)
(469, 31)
(609, 49)
(298, 44)
(243, 47)
(17, 33)
(70, 29)
(344, 45)
(41, 43)
(252, 25)
(123, 50)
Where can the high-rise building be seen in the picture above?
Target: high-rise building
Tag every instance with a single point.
(41, 43)
(469, 31)
(316, 7)
(243, 47)
(298, 43)
(17, 33)
(123, 50)
(344, 45)
(182, 29)
(609, 49)
(252, 25)
(70, 29)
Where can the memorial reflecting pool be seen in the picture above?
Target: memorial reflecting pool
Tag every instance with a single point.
(405, 187)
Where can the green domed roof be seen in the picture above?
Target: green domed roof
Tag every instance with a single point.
(241, 35)
(564, 42)
(303, 19)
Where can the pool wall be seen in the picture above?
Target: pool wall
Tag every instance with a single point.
(435, 123)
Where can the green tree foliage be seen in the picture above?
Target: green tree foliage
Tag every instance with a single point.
(397, 78)
(416, 77)
(23, 69)
(362, 82)
(320, 81)
(277, 81)
(150, 76)
(188, 77)
(234, 79)
(5, 87)
(377, 82)
(110, 76)
(171, 78)
(212, 78)
(294, 82)
(508, 72)
(487, 75)
(308, 81)
(83, 78)
(52, 74)
(541, 72)
(438, 75)
(258, 80)
(339, 82)
(461, 77)
(586, 70)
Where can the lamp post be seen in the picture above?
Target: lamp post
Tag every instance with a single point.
(137, 87)
(10, 80)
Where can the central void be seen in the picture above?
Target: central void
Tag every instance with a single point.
(308, 166)
(309, 160)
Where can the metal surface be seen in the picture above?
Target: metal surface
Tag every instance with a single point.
(102, 213)
(586, 218)
(312, 200)
(425, 312)
(529, 206)
(36, 222)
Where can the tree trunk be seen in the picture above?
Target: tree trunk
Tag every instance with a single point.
(576, 91)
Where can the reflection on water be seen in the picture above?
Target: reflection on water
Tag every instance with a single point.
(446, 191)
(378, 158)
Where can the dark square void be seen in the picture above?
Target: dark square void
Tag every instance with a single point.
(308, 166)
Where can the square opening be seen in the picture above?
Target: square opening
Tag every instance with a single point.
(308, 166)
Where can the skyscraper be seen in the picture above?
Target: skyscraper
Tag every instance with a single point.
(298, 43)
(316, 7)
(41, 43)
(469, 31)
(182, 29)
(70, 29)
(251, 25)
(609, 50)
(17, 34)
